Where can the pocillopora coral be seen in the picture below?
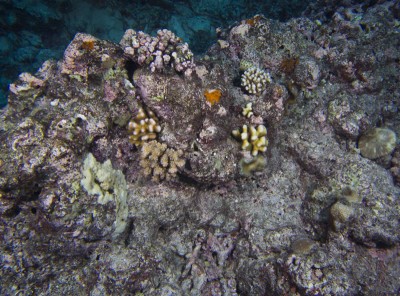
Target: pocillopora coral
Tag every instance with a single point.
(377, 142)
(161, 162)
(143, 127)
(109, 185)
(253, 139)
(248, 110)
(255, 80)
(166, 49)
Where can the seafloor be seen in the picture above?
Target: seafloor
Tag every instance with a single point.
(269, 166)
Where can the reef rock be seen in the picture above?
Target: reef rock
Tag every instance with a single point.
(87, 207)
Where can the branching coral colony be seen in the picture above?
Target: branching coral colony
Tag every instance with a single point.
(255, 80)
(157, 160)
(166, 49)
(144, 127)
(161, 162)
(253, 139)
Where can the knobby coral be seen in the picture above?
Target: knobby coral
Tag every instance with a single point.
(157, 52)
(255, 80)
(143, 127)
(160, 162)
(253, 139)
(247, 111)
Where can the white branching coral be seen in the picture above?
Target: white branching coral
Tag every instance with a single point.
(255, 80)
(144, 127)
(161, 162)
(248, 110)
(253, 139)
(166, 49)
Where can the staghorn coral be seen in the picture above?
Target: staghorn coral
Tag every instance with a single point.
(157, 52)
(255, 80)
(253, 139)
(160, 161)
(143, 127)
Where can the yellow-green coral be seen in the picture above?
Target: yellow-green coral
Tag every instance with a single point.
(253, 139)
(251, 165)
(245, 64)
(248, 110)
(160, 162)
(144, 127)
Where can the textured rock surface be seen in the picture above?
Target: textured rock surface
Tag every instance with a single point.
(318, 219)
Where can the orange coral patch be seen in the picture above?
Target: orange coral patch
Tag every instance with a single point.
(213, 96)
(88, 45)
(254, 20)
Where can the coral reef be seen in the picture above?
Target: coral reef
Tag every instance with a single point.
(38, 31)
(79, 213)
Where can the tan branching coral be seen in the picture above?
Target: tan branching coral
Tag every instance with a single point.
(253, 139)
(160, 162)
(144, 127)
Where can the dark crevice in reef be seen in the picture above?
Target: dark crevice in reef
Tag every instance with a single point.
(131, 67)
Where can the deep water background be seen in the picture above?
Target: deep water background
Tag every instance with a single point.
(34, 31)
